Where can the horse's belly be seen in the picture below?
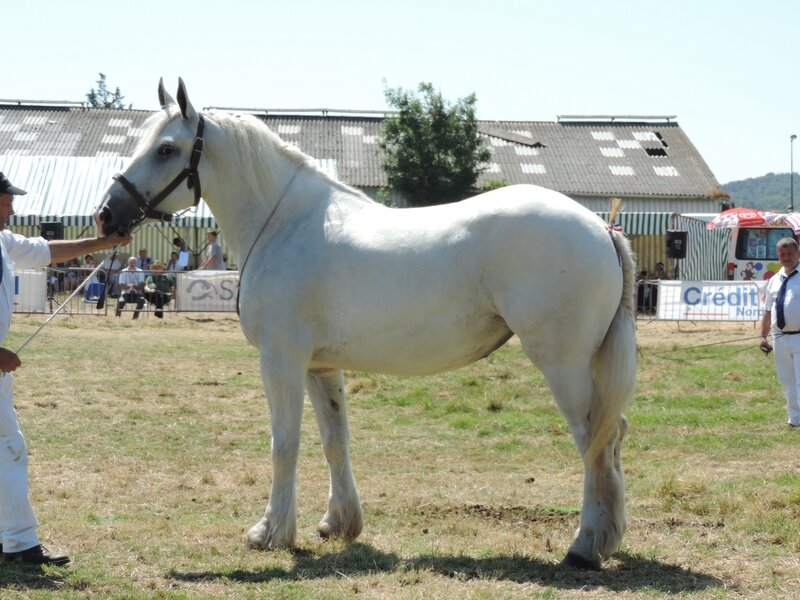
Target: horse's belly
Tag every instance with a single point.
(416, 349)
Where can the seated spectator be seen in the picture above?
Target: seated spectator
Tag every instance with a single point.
(71, 277)
(88, 267)
(661, 272)
(131, 284)
(172, 263)
(143, 261)
(158, 288)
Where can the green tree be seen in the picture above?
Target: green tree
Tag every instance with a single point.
(103, 98)
(434, 154)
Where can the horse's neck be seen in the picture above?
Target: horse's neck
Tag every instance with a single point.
(245, 215)
(251, 199)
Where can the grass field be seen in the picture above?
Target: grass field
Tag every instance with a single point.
(149, 446)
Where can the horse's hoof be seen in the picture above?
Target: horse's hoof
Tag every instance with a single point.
(579, 562)
(325, 531)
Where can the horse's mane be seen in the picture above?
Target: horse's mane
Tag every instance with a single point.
(255, 149)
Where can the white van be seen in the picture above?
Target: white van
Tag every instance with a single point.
(751, 253)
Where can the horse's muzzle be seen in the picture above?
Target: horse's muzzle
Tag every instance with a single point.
(115, 215)
(104, 218)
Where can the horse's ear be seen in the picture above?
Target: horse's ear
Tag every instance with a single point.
(187, 110)
(163, 95)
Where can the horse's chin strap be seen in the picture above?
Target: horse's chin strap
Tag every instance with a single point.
(190, 173)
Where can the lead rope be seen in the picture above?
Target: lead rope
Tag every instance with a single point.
(101, 301)
(260, 233)
(63, 304)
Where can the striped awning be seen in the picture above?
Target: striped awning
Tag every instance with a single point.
(642, 223)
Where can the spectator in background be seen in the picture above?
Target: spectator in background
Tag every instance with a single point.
(661, 272)
(88, 267)
(180, 245)
(183, 254)
(143, 261)
(158, 288)
(213, 260)
(172, 263)
(131, 285)
(71, 276)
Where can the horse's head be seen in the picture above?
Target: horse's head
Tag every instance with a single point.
(169, 154)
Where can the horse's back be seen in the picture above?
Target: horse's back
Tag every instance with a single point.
(422, 290)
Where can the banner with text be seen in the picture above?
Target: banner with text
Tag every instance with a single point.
(710, 300)
(206, 291)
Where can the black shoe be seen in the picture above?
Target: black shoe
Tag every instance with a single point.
(38, 555)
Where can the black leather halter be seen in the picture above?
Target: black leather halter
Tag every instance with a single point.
(190, 173)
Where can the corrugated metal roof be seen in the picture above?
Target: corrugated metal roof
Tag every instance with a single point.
(583, 159)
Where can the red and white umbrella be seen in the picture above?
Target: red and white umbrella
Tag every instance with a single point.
(793, 221)
(744, 217)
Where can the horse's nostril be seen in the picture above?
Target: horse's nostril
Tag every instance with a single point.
(104, 215)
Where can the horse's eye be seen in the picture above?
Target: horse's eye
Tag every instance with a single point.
(166, 149)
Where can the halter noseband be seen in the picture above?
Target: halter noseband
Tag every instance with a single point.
(190, 173)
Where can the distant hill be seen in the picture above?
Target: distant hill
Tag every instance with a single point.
(768, 192)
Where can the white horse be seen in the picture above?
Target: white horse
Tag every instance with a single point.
(330, 280)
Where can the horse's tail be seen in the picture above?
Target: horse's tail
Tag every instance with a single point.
(615, 362)
(613, 385)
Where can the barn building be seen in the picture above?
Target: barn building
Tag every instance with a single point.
(65, 153)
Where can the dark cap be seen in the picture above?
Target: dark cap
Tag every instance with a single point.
(7, 188)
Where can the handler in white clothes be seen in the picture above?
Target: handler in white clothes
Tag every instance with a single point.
(18, 539)
(782, 315)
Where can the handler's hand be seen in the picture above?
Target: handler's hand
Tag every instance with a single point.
(119, 239)
(9, 361)
(765, 347)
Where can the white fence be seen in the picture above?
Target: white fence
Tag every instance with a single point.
(43, 290)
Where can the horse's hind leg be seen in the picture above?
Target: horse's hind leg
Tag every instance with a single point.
(603, 513)
(343, 517)
(283, 383)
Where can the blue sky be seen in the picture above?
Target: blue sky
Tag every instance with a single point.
(727, 70)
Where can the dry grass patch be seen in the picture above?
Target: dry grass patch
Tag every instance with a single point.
(150, 459)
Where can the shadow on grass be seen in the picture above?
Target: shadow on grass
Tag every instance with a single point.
(625, 573)
(16, 577)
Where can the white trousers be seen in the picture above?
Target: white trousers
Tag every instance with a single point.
(787, 365)
(17, 521)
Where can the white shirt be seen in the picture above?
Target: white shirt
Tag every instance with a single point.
(23, 252)
(134, 276)
(791, 304)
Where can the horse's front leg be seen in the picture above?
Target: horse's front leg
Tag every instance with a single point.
(283, 383)
(343, 517)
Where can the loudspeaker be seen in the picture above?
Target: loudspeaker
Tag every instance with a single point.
(676, 243)
(52, 230)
